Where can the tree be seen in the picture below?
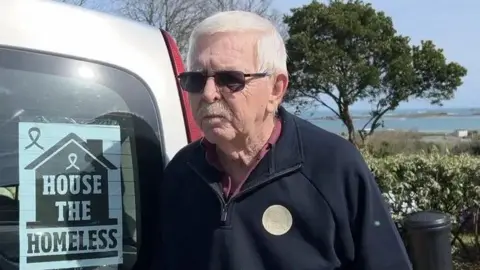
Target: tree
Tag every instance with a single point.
(99, 5)
(261, 7)
(74, 2)
(276, 17)
(347, 51)
(179, 17)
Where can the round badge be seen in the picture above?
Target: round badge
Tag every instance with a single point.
(277, 220)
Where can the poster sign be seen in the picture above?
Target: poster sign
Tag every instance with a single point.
(70, 195)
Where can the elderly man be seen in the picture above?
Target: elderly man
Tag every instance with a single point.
(264, 189)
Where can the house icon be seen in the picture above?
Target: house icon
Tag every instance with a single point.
(65, 173)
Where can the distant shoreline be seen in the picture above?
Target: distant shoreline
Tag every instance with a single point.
(436, 137)
(405, 116)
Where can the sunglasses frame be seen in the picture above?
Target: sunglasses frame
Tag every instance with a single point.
(215, 74)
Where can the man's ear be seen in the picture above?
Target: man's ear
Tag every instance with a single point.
(278, 91)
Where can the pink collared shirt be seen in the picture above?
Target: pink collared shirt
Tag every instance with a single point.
(230, 187)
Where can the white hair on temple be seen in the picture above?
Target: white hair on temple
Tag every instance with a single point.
(271, 52)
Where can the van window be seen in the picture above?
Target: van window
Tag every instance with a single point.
(78, 142)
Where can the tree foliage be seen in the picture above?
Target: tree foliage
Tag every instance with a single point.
(347, 51)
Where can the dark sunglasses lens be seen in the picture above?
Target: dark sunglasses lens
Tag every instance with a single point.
(234, 80)
(192, 82)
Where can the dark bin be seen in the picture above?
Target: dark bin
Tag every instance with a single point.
(428, 240)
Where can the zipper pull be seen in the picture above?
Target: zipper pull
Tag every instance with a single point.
(223, 218)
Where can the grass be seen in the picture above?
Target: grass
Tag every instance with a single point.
(384, 143)
(471, 251)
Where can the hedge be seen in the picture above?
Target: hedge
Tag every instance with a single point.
(414, 182)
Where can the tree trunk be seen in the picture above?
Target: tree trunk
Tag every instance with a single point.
(351, 131)
(347, 120)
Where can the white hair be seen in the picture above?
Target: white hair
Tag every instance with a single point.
(271, 52)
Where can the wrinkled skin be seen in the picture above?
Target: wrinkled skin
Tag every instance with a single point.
(235, 120)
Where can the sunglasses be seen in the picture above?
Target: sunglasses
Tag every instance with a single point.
(194, 82)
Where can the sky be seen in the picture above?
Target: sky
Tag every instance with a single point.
(450, 25)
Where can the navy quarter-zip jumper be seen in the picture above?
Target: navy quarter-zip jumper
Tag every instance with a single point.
(310, 204)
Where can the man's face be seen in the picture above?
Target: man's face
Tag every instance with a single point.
(219, 112)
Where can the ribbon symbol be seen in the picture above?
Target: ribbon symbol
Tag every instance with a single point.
(34, 134)
(72, 158)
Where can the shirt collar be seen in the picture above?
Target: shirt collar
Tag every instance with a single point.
(211, 149)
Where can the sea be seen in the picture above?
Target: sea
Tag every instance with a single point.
(442, 120)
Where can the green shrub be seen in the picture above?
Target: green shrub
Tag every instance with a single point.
(428, 181)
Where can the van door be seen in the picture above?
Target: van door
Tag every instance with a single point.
(80, 164)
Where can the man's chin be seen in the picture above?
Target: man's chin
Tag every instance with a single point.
(218, 133)
(215, 120)
(214, 123)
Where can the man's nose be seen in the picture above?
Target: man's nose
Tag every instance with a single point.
(210, 92)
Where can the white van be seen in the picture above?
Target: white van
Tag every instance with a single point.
(90, 113)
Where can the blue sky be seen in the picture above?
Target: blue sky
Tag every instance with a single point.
(450, 25)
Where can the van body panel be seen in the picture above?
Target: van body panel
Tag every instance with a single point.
(61, 29)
